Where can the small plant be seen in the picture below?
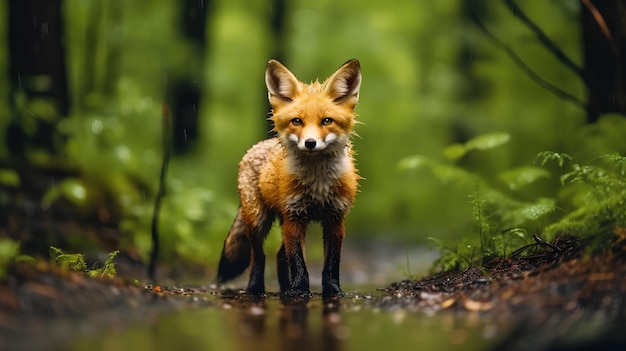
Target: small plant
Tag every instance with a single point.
(107, 270)
(498, 215)
(76, 262)
(594, 196)
(591, 206)
(10, 253)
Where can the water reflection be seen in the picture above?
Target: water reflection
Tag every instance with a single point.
(301, 324)
(237, 322)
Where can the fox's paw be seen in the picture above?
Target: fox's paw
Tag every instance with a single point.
(256, 290)
(330, 292)
(295, 293)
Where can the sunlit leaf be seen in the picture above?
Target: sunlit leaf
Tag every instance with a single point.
(75, 191)
(537, 209)
(71, 189)
(413, 162)
(488, 141)
(454, 151)
(517, 178)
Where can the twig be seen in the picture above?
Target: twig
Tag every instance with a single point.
(154, 255)
(599, 19)
(526, 69)
(543, 38)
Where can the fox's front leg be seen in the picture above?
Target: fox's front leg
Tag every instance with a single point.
(294, 233)
(333, 233)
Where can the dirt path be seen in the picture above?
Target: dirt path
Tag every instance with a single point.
(557, 298)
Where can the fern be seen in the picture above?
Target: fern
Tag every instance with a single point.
(76, 262)
(548, 156)
(597, 195)
(108, 269)
(590, 205)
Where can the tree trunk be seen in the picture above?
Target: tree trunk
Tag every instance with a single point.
(37, 72)
(604, 41)
(185, 92)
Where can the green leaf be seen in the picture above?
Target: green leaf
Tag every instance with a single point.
(9, 177)
(72, 189)
(537, 209)
(413, 162)
(518, 178)
(488, 141)
(455, 151)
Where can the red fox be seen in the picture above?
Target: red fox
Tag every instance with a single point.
(306, 173)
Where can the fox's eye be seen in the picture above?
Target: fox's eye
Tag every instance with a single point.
(296, 122)
(326, 121)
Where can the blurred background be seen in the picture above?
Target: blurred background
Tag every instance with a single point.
(457, 97)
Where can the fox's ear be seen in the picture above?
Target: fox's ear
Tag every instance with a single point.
(343, 86)
(281, 83)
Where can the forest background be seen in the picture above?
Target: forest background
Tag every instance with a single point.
(449, 116)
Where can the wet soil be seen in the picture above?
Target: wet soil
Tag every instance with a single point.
(553, 295)
(558, 297)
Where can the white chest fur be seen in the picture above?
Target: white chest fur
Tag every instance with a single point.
(318, 178)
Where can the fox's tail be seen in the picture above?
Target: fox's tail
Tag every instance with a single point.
(236, 252)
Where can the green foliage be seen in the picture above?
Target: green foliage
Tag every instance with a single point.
(76, 262)
(479, 143)
(108, 269)
(499, 216)
(591, 205)
(10, 253)
(593, 196)
(71, 189)
(430, 79)
(9, 177)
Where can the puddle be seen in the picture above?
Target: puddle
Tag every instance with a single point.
(271, 324)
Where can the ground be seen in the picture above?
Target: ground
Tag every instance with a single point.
(558, 296)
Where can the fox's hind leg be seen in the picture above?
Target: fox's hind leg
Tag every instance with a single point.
(236, 252)
(282, 268)
(256, 283)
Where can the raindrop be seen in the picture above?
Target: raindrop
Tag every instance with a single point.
(185, 132)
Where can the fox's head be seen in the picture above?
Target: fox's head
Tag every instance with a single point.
(313, 117)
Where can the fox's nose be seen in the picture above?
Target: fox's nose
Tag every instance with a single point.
(310, 144)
